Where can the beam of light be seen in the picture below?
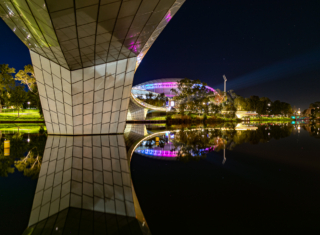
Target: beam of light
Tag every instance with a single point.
(296, 65)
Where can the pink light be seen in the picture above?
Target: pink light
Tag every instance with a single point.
(168, 17)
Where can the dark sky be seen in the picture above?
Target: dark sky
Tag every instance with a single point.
(265, 48)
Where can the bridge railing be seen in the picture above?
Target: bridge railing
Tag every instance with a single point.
(146, 105)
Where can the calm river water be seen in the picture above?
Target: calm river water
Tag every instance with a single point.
(219, 179)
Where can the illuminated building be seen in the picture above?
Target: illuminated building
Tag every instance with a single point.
(159, 86)
(85, 54)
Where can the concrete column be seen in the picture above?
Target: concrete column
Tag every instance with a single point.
(91, 100)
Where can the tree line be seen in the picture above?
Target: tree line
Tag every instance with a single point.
(194, 96)
(13, 93)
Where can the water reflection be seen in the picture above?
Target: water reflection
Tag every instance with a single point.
(194, 143)
(91, 174)
(84, 183)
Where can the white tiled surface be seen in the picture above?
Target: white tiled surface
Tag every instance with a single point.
(88, 172)
(84, 101)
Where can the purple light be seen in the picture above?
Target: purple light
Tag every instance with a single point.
(158, 153)
(168, 16)
(168, 84)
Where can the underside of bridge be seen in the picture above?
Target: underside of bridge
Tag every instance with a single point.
(85, 54)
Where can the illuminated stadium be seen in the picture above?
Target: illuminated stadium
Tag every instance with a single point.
(139, 108)
(158, 86)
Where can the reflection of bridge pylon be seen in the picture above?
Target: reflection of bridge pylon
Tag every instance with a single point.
(86, 181)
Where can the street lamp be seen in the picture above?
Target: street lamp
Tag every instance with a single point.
(29, 104)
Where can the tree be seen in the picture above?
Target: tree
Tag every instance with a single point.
(240, 103)
(17, 97)
(254, 102)
(192, 93)
(31, 163)
(26, 77)
(34, 99)
(6, 80)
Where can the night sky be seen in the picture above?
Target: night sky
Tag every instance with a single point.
(265, 48)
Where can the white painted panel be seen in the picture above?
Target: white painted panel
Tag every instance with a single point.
(111, 68)
(61, 118)
(68, 109)
(96, 129)
(38, 75)
(106, 117)
(45, 64)
(55, 69)
(98, 96)
(100, 70)
(109, 82)
(47, 78)
(123, 116)
(125, 104)
(98, 107)
(77, 120)
(60, 107)
(126, 92)
(56, 129)
(66, 86)
(69, 120)
(69, 130)
(76, 75)
(35, 59)
(129, 78)
(116, 105)
(108, 94)
(65, 74)
(49, 128)
(63, 130)
(52, 105)
(87, 108)
(131, 65)
(77, 87)
(77, 99)
(54, 117)
(120, 79)
(77, 110)
(77, 130)
(50, 92)
(67, 99)
(58, 95)
(97, 118)
(121, 66)
(88, 85)
(99, 84)
(44, 103)
(47, 116)
(117, 93)
(57, 82)
(87, 119)
(88, 97)
(115, 117)
(107, 106)
(88, 73)
(42, 90)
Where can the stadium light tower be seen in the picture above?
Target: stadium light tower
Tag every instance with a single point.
(225, 83)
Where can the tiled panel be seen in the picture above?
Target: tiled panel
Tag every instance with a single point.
(78, 103)
(82, 34)
(87, 179)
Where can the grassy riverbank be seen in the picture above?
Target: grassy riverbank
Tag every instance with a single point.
(21, 128)
(24, 115)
